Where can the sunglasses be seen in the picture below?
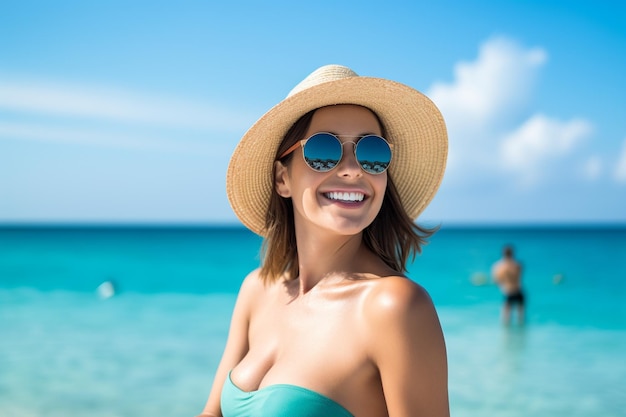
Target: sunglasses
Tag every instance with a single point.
(323, 151)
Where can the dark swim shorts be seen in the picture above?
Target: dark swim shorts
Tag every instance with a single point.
(514, 298)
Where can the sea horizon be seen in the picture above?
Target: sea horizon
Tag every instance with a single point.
(525, 224)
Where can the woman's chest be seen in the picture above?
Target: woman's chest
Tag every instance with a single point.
(302, 324)
(325, 336)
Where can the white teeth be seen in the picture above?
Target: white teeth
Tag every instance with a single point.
(345, 196)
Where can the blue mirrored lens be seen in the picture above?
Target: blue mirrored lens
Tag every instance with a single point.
(373, 154)
(322, 152)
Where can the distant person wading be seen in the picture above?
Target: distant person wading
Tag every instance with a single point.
(507, 273)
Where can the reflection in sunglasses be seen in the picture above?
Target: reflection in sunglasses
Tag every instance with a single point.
(323, 151)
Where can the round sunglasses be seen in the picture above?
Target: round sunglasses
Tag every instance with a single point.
(323, 151)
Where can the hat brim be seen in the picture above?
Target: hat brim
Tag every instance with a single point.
(411, 120)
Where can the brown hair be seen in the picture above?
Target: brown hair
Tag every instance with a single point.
(393, 236)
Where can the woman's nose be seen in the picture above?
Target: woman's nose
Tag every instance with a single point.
(348, 164)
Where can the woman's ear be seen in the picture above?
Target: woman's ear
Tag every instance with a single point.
(281, 180)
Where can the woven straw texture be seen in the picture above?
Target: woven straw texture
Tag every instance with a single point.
(412, 122)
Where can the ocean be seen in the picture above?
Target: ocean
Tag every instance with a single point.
(152, 348)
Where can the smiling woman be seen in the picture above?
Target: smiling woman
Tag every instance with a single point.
(333, 177)
(317, 199)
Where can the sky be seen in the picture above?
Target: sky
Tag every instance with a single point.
(128, 111)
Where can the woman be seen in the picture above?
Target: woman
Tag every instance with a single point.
(333, 177)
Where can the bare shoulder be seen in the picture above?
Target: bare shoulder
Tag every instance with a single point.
(251, 289)
(398, 308)
(405, 343)
(397, 297)
(252, 282)
(254, 291)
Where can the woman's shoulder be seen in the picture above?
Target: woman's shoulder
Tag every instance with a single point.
(398, 289)
(397, 297)
(254, 287)
(252, 281)
(250, 290)
(400, 312)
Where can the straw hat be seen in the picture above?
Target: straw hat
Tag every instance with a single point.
(412, 123)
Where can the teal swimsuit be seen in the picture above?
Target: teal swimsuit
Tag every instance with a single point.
(280, 400)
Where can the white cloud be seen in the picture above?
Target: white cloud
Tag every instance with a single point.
(620, 169)
(537, 140)
(115, 105)
(496, 82)
(486, 99)
(592, 169)
(100, 138)
(481, 102)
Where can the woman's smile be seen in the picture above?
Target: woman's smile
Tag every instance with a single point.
(346, 197)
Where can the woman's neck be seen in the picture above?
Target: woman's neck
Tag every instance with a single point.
(321, 255)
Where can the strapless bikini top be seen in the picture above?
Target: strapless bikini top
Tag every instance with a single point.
(280, 400)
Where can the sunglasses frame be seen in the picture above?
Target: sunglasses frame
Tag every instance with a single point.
(303, 142)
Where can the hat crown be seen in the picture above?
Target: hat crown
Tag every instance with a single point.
(322, 75)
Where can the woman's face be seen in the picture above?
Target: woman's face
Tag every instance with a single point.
(319, 198)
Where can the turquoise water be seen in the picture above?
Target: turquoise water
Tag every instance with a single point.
(152, 349)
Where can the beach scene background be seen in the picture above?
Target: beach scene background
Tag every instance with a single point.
(120, 258)
(153, 347)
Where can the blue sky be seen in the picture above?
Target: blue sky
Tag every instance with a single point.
(127, 112)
